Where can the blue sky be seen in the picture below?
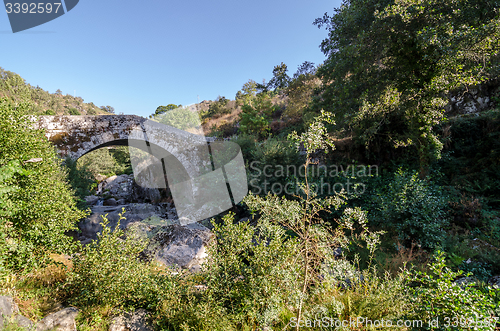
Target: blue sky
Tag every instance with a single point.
(137, 55)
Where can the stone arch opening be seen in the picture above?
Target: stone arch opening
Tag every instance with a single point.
(150, 174)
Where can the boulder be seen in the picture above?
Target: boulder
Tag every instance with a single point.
(91, 200)
(136, 321)
(63, 320)
(24, 322)
(118, 187)
(181, 246)
(494, 282)
(7, 308)
(9, 311)
(134, 212)
(110, 202)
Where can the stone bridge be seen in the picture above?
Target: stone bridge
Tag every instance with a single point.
(75, 136)
(204, 178)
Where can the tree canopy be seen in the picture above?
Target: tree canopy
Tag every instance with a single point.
(392, 64)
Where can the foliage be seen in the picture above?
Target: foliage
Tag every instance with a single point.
(108, 272)
(80, 179)
(7, 208)
(280, 78)
(302, 217)
(437, 296)
(391, 64)
(218, 108)
(247, 92)
(269, 163)
(300, 91)
(376, 298)
(471, 154)
(108, 109)
(414, 208)
(44, 206)
(14, 88)
(256, 115)
(252, 273)
(74, 111)
(179, 118)
(108, 162)
(163, 109)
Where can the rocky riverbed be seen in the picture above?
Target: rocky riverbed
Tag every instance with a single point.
(147, 217)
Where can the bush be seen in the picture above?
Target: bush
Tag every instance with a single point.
(108, 272)
(437, 297)
(414, 208)
(256, 116)
(251, 273)
(273, 161)
(80, 179)
(219, 107)
(45, 207)
(74, 111)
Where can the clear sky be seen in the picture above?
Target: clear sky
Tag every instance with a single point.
(138, 55)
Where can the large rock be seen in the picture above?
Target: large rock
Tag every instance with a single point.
(9, 311)
(7, 308)
(63, 320)
(91, 200)
(136, 321)
(134, 212)
(178, 245)
(118, 187)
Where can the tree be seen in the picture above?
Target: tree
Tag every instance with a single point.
(247, 92)
(300, 91)
(255, 116)
(219, 107)
(108, 109)
(164, 109)
(305, 69)
(391, 65)
(280, 78)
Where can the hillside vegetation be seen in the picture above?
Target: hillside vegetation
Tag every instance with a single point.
(43, 102)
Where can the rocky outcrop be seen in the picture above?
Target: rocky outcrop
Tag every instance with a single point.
(474, 99)
(135, 321)
(63, 320)
(134, 212)
(179, 246)
(116, 187)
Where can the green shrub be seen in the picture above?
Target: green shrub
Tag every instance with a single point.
(273, 164)
(251, 272)
(414, 208)
(109, 162)
(436, 297)
(108, 272)
(74, 111)
(218, 108)
(45, 207)
(80, 179)
(373, 299)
